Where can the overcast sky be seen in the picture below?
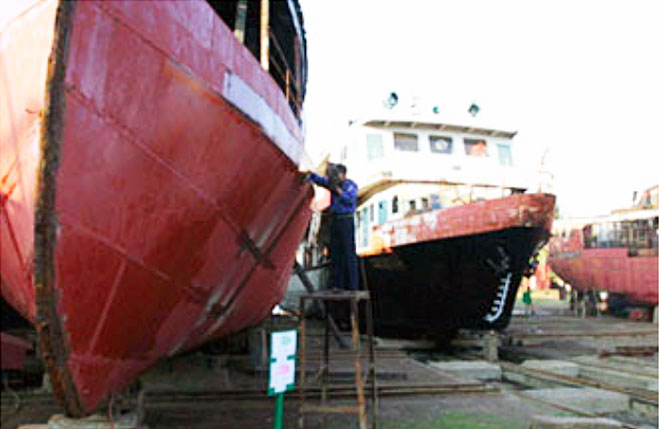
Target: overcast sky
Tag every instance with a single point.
(577, 79)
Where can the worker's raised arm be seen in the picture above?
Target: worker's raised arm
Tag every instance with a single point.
(319, 180)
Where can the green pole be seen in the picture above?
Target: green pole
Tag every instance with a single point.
(279, 411)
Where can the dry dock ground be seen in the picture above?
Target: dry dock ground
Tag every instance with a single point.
(553, 365)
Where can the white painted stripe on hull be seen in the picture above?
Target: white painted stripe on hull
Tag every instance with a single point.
(241, 95)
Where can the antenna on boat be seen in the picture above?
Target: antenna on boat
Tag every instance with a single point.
(391, 102)
(474, 109)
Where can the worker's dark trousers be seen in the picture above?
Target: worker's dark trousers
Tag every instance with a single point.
(342, 253)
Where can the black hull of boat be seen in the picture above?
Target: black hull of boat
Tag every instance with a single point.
(435, 288)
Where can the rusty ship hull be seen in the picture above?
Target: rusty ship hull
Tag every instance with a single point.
(151, 199)
(455, 268)
(617, 253)
(613, 270)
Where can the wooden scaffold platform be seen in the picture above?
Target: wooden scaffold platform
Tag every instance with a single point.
(354, 299)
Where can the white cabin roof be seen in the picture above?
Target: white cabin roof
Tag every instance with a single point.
(429, 124)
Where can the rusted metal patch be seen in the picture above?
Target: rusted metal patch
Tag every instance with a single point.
(52, 342)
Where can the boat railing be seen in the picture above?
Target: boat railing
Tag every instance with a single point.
(631, 235)
(285, 75)
(275, 61)
(271, 31)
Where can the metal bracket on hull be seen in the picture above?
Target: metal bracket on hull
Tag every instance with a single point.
(246, 243)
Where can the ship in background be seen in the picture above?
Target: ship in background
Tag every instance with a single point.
(614, 256)
(447, 221)
(151, 194)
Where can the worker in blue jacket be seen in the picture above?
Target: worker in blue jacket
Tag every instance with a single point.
(342, 239)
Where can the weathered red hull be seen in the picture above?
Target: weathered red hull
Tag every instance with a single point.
(148, 204)
(519, 210)
(610, 270)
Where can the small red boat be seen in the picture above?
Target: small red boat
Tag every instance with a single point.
(151, 199)
(616, 253)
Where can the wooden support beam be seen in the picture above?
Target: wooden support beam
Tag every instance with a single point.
(265, 34)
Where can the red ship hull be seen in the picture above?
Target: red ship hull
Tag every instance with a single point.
(520, 210)
(149, 204)
(14, 352)
(606, 269)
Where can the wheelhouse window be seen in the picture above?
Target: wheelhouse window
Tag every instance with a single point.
(425, 204)
(406, 142)
(374, 146)
(382, 212)
(434, 201)
(441, 144)
(475, 147)
(394, 205)
(412, 205)
(505, 156)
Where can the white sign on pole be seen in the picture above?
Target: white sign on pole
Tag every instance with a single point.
(284, 343)
(282, 361)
